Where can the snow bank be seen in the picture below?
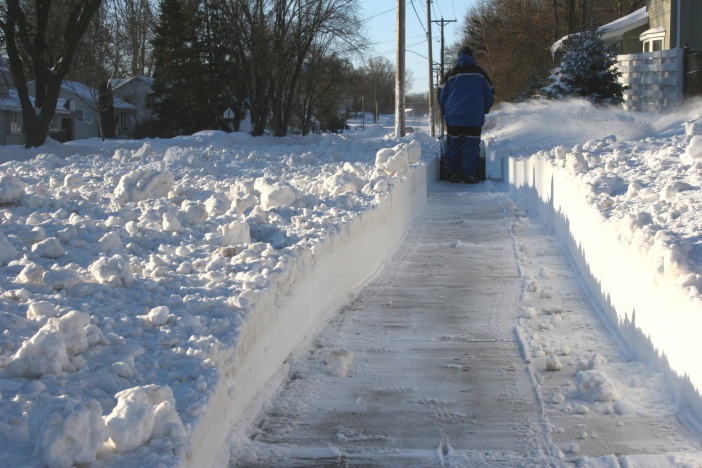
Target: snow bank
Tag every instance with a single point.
(629, 214)
(324, 279)
(150, 289)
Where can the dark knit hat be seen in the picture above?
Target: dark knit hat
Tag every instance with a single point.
(465, 50)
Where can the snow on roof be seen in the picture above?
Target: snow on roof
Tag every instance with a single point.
(87, 94)
(117, 82)
(625, 23)
(651, 32)
(11, 102)
(616, 28)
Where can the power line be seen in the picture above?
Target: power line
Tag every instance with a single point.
(441, 14)
(418, 18)
(364, 20)
(393, 41)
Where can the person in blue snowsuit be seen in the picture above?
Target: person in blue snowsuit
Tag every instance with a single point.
(465, 97)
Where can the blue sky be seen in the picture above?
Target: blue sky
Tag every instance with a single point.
(380, 27)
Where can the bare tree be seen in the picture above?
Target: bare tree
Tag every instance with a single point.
(512, 38)
(25, 31)
(323, 85)
(135, 22)
(272, 41)
(379, 74)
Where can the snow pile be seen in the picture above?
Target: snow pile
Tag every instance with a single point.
(137, 275)
(629, 213)
(66, 431)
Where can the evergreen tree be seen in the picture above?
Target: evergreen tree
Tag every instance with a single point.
(226, 91)
(586, 69)
(179, 91)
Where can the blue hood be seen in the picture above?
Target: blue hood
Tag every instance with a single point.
(465, 59)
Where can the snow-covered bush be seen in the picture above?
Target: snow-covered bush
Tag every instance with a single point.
(587, 69)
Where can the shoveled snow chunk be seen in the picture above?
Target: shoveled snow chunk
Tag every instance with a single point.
(131, 421)
(61, 279)
(72, 327)
(576, 163)
(594, 385)
(144, 184)
(235, 233)
(339, 361)
(274, 193)
(110, 241)
(167, 422)
(11, 189)
(66, 432)
(44, 353)
(343, 182)
(8, 252)
(49, 248)
(414, 152)
(158, 315)
(693, 152)
(393, 162)
(193, 213)
(30, 274)
(41, 309)
(114, 271)
(553, 363)
(171, 223)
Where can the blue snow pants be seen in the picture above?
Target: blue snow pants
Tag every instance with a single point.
(462, 154)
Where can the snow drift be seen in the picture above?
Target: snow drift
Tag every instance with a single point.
(626, 202)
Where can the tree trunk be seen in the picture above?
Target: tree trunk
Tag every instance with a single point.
(26, 37)
(556, 32)
(571, 16)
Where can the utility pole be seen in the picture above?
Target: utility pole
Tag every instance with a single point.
(443, 23)
(400, 72)
(431, 72)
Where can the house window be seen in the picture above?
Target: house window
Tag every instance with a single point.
(16, 123)
(652, 39)
(653, 45)
(122, 120)
(79, 115)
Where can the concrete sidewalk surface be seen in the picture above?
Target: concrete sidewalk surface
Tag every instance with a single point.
(447, 359)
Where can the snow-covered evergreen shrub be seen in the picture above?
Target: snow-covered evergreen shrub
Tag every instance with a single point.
(587, 69)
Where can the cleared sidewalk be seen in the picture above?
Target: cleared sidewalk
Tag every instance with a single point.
(430, 366)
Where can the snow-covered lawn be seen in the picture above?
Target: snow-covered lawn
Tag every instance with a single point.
(149, 289)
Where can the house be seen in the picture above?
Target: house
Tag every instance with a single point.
(10, 110)
(660, 25)
(622, 36)
(673, 24)
(135, 91)
(76, 114)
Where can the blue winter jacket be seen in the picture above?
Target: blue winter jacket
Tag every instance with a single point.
(467, 94)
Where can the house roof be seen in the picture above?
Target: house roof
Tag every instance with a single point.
(616, 28)
(651, 32)
(12, 103)
(119, 82)
(86, 94)
(625, 24)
